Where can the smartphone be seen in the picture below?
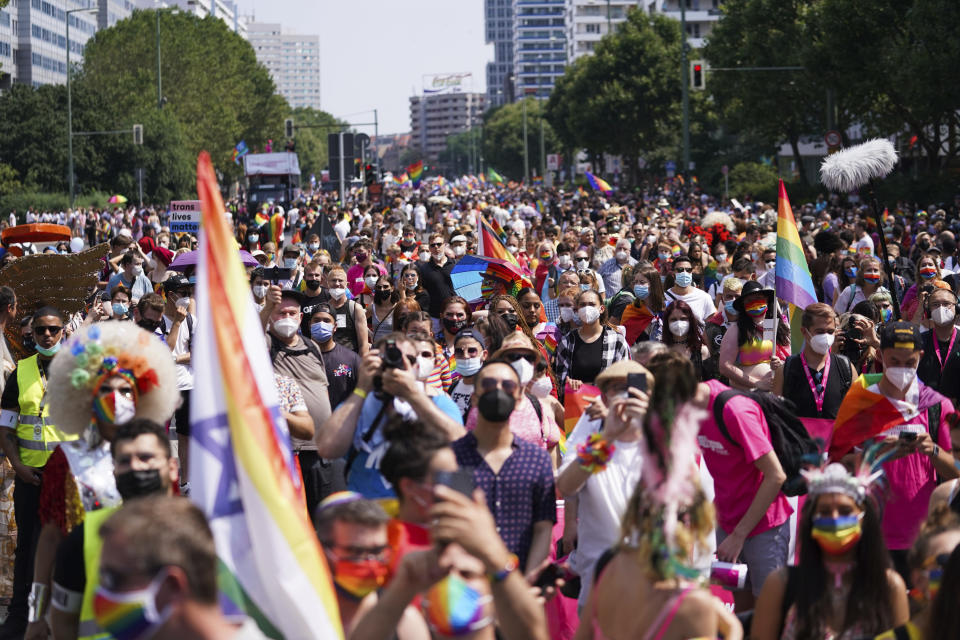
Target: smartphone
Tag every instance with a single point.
(460, 480)
(637, 381)
(549, 576)
(276, 274)
(908, 436)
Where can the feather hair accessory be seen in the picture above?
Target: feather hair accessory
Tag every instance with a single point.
(854, 167)
(834, 477)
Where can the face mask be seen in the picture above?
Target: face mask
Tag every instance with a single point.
(285, 327)
(565, 261)
(513, 248)
(149, 325)
(871, 278)
(821, 342)
(836, 535)
(467, 367)
(928, 272)
(371, 281)
(641, 291)
(728, 306)
(524, 370)
(138, 271)
(412, 285)
(496, 405)
(321, 331)
(541, 387)
(754, 255)
(756, 309)
(684, 279)
(851, 272)
(259, 291)
(583, 263)
(459, 250)
(29, 344)
(679, 328)
(114, 408)
(313, 246)
(136, 483)
(512, 320)
(943, 315)
(425, 367)
(360, 256)
(120, 309)
(622, 255)
(588, 315)
(567, 314)
(47, 352)
(289, 263)
(454, 608)
(132, 614)
(886, 314)
(663, 256)
(771, 265)
(721, 258)
(312, 285)
(900, 377)
(651, 239)
(253, 237)
(382, 296)
(337, 293)
(358, 579)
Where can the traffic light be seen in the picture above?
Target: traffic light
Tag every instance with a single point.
(356, 168)
(138, 134)
(369, 174)
(288, 128)
(698, 78)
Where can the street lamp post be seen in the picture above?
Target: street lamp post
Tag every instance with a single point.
(70, 109)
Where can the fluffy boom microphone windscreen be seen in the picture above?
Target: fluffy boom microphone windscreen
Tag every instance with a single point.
(859, 166)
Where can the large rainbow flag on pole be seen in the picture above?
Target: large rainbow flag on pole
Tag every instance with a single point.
(489, 244)
(793, 282)
(242, 472)
(416, 173)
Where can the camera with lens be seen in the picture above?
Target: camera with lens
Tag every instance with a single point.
(392, 358)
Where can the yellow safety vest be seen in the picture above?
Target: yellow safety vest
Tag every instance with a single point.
(37, 438)
(92, 544)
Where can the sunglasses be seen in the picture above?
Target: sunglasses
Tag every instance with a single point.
(683, 270)
(436, 244)
(491, 384)
(51, 329)
(513, 356)
(464, 353)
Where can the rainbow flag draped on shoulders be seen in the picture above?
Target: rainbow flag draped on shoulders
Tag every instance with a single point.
(598, 184)
(793, 282)
(243, 474)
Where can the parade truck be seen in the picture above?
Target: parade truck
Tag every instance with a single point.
(272, 178)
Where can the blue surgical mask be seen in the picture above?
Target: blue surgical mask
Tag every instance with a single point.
(585, 287)
(664, 256)
(728, 305)
(321, 331)
(48, 352)
(641, 291)
(467, 367)
(120, 309)
(684, 279)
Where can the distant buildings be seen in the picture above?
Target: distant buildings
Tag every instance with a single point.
(434, 117)
(498, 23)
(292, 60)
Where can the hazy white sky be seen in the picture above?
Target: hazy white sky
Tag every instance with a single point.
(374, 53)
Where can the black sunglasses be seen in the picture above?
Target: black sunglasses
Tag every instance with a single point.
(51, 329)
(517, 355)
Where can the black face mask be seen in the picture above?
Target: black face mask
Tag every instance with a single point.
(512, 320)
(149, 325)
(496, 405)
(453, 326)
(313, 285)
(138, 483)
(28, 343)
(381, 296)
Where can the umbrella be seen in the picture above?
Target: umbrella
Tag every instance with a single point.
(117, 199)
(439, 200)
(186, 260)
(476, 277)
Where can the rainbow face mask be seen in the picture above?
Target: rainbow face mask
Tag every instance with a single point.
(357, 579)
(114, 408)
(871, 278)
(934, 568)
(927, 272)
(836, 536)
(454, 608)
(130, 615)
(756, 309)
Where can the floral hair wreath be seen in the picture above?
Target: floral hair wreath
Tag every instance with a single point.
(96, 362)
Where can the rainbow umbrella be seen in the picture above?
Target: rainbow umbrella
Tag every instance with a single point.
(476, 277)
(117, 199)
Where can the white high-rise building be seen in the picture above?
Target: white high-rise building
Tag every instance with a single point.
(8, 45)
(498, 22)
(40, 27)
(539, 38)
(590, 20)
(701, 15)
(293, 61)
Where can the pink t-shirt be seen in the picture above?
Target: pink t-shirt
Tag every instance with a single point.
(911, 481)
(355, 277)
(525, 425)
(736, 479)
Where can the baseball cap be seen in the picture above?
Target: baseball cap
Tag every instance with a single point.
(469, 333)
(900, 335)
(176, 282)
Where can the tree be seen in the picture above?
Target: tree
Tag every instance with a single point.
(9, 181)
(211, 80)
(33, 135)
(753, 181)
(462, 153)
(503, 137)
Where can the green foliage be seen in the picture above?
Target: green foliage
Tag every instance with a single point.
(20, 201)
(754, 180)
(33, 135)
(9, 180)
(503, 137)
(462, 152)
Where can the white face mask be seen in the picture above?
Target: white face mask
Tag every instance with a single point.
(513, 248)
(679, 328)
(622, 255)
(821, 342)
(424, 367)
(138, 270)
(371, 281)
(285, 327)
(524, 370)
(721, 257)
(943, 315)
(541, 386)
(337, 293)
(583, 264)
(588, 315)
(459, 250)
(900, 377)
(313, 246)
(565, 261)
(771, 265)
(567, 314)
(259, 291)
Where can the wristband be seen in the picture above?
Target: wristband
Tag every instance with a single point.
(595, 453)
(36, 602)
(512, 563)
(360, 392)
(936, 451)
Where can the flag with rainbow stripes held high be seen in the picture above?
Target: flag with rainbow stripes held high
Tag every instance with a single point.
(416, 173)
(793, 282)
(598, 184)
(243, 473)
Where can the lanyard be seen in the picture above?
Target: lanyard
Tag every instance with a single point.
(817, 397)
(936, 347)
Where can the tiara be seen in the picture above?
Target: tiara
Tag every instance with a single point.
(834, 477)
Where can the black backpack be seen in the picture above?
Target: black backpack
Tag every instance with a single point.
(791, 442)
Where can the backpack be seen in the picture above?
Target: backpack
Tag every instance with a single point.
(792, 444)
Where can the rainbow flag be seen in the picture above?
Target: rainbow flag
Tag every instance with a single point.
(261, 218)
(416, 173)
(636, 320)
(581, 192)
(493, 176)
(489, 244)
(575, 403)
(239, 151)
(862, 415)
(501, 233)
(243, 473)
(793, 282)
(541, 207)
(598, 184)
(276, 230)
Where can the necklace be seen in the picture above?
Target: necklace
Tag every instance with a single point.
(840, 591)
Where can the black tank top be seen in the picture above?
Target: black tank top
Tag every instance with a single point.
(797, 389)
(347, 333)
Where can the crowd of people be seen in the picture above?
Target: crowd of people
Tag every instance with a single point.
(591, 450)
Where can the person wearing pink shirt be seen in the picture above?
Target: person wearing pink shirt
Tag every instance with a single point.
(752, 513)
(362, 252)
